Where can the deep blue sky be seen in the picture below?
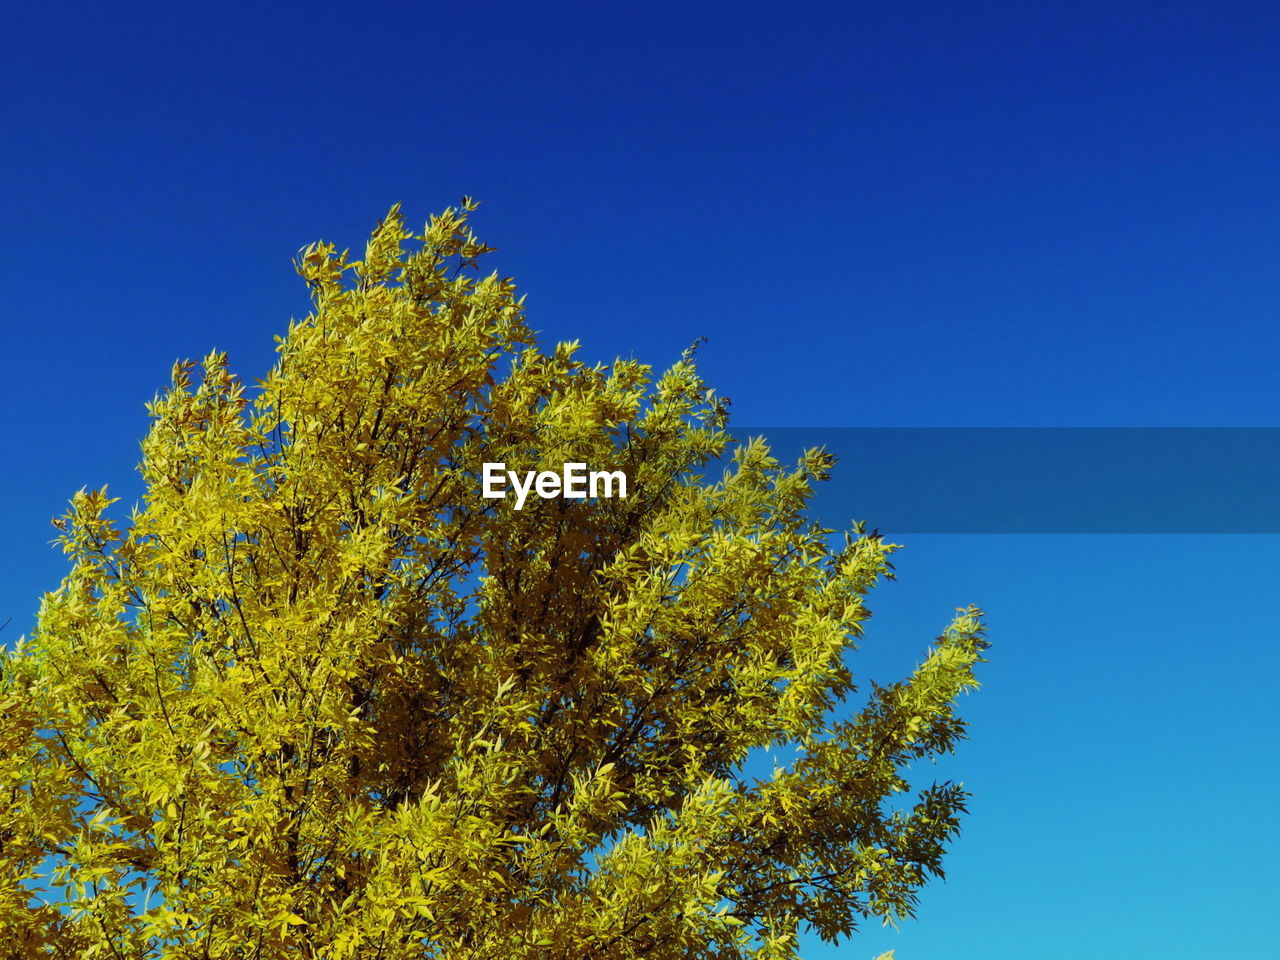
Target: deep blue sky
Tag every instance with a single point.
(899, 214)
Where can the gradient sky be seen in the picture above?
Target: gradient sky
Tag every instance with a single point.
(989, 214)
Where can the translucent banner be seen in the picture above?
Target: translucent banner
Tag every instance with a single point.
(1043, 479)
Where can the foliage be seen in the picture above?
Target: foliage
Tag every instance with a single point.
(318, 698)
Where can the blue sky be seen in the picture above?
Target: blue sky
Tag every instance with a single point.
(994, 214)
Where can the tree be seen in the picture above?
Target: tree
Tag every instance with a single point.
(318, 697)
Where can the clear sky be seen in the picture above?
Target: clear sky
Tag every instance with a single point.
(907, 214)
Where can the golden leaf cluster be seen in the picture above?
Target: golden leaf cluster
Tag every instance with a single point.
(316, 697)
